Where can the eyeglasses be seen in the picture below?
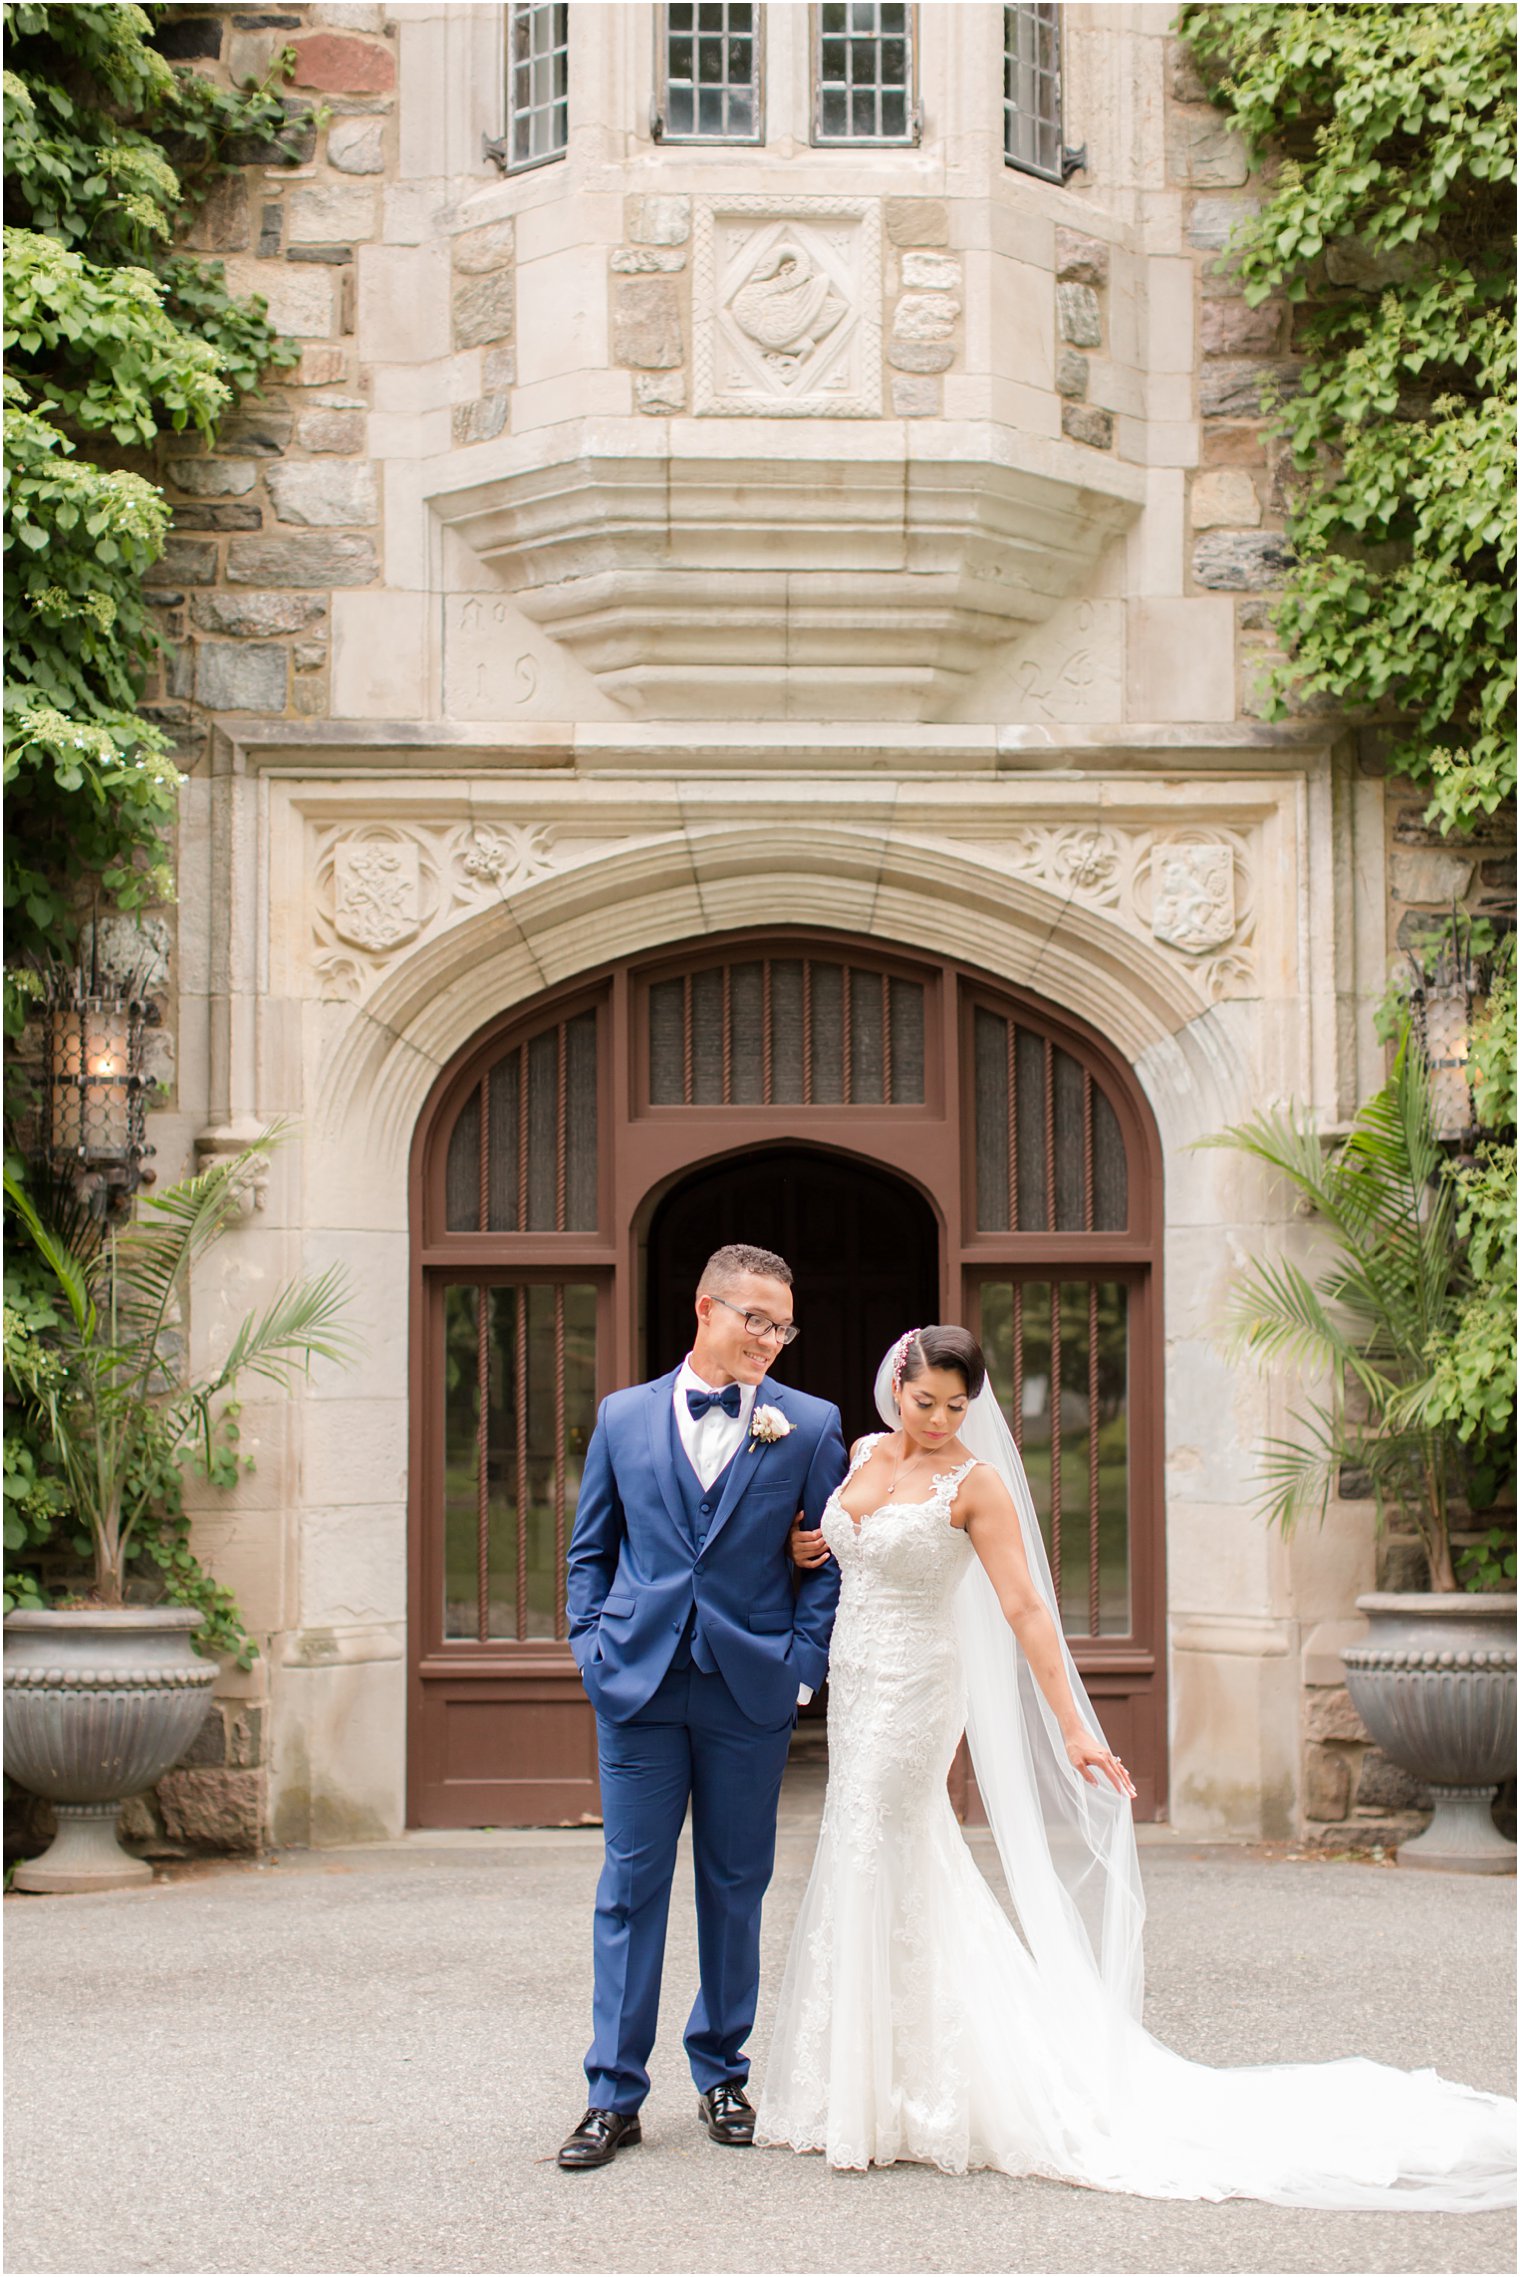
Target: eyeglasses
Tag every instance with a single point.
(757, 1323)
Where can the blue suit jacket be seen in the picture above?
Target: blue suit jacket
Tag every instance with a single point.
(634, 1570)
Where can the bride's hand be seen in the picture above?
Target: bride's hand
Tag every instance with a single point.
(1088, 1756)
(805, 1545)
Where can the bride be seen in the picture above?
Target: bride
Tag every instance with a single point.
(915, 2021)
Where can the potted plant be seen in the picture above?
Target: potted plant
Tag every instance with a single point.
(1401, 1316)
(103, 1696)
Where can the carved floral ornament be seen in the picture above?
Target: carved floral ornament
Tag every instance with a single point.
(380, 888)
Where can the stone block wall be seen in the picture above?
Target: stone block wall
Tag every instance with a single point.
(214, 1802)
(1351, 1796)
(287, 506)
(1245, 360)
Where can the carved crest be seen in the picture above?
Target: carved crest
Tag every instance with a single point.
(377, 900)
(1193, 896)
(787, 306)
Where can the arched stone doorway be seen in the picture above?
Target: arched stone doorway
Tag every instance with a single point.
(638, 1111)
(863, 1245)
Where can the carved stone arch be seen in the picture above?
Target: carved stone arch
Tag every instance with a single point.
(1190, 1055)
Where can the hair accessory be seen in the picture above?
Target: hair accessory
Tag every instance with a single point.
(900, 1359)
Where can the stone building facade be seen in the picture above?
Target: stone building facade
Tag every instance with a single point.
(729, 675)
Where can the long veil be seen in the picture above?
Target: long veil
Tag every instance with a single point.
(1140, 2117)
(1067, 1849)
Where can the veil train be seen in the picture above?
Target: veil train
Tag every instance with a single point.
(1351, 2133)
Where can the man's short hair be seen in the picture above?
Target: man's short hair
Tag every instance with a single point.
(725, 1265)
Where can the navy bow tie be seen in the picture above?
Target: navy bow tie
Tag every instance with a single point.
(728, 1399)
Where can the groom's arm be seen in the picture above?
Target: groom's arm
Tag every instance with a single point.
(595, 1541)
(813, 1611)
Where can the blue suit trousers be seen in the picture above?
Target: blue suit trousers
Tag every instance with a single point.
(690, 1742)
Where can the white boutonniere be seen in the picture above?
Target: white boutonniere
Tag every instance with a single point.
(768, 1424)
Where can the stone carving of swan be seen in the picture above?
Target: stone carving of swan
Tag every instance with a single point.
(787, 306)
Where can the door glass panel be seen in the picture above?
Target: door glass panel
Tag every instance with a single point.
(461, 1185)
(786, 1031)
(1032, 1182)
(867, 1053)
(1058, 1361)
(746, 1035)
(519, 1399)
(667, 1057)
(532, 1120)
(993, 1138)
(824, 1022)
(1048, 1151)
(1110, 1178)
(1070, 1156)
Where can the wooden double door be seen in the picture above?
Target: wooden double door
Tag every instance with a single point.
(918, 1142)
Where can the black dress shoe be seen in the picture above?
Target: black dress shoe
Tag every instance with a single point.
(727, 2113)
(599, 2138)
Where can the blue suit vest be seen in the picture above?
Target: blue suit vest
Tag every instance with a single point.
(699, 1503)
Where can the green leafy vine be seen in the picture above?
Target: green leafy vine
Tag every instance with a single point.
(1388, 135)
(114, 337)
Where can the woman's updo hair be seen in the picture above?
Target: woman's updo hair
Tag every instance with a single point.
(946, 1346)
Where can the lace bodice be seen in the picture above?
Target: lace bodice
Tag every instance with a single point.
(910, 1552)
(896, 1698)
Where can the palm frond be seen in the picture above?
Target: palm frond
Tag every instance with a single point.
(155, 1255)
(1275, 1309)
(1368, 1306)
(1298, 1474)
(300, 1325)
(70, 1271)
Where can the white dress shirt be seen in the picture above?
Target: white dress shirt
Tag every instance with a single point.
(710, 1440)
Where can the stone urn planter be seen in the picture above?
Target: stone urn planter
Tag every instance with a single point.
(1434, 1682)
(98, 1704)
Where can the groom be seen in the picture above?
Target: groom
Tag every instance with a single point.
(694, 1655)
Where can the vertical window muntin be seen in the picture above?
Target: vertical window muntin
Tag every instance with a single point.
(537, 83)
(864, 73)
(1032, 137)
(711, 66)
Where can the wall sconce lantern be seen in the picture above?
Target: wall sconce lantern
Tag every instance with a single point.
(93, 1084)
(1442, 998)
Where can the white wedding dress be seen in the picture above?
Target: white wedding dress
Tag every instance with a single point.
(916, 2023)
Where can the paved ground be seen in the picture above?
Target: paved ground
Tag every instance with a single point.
(363, 2061)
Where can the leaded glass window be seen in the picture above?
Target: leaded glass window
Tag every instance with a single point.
(863, 72)
(537, 82)
(711, 64)
(1032, 89)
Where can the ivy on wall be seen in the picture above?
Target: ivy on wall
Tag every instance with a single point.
(112, 339)
(1387, 139)
(1472, 1382)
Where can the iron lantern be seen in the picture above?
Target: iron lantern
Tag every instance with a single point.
(93, 1083)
